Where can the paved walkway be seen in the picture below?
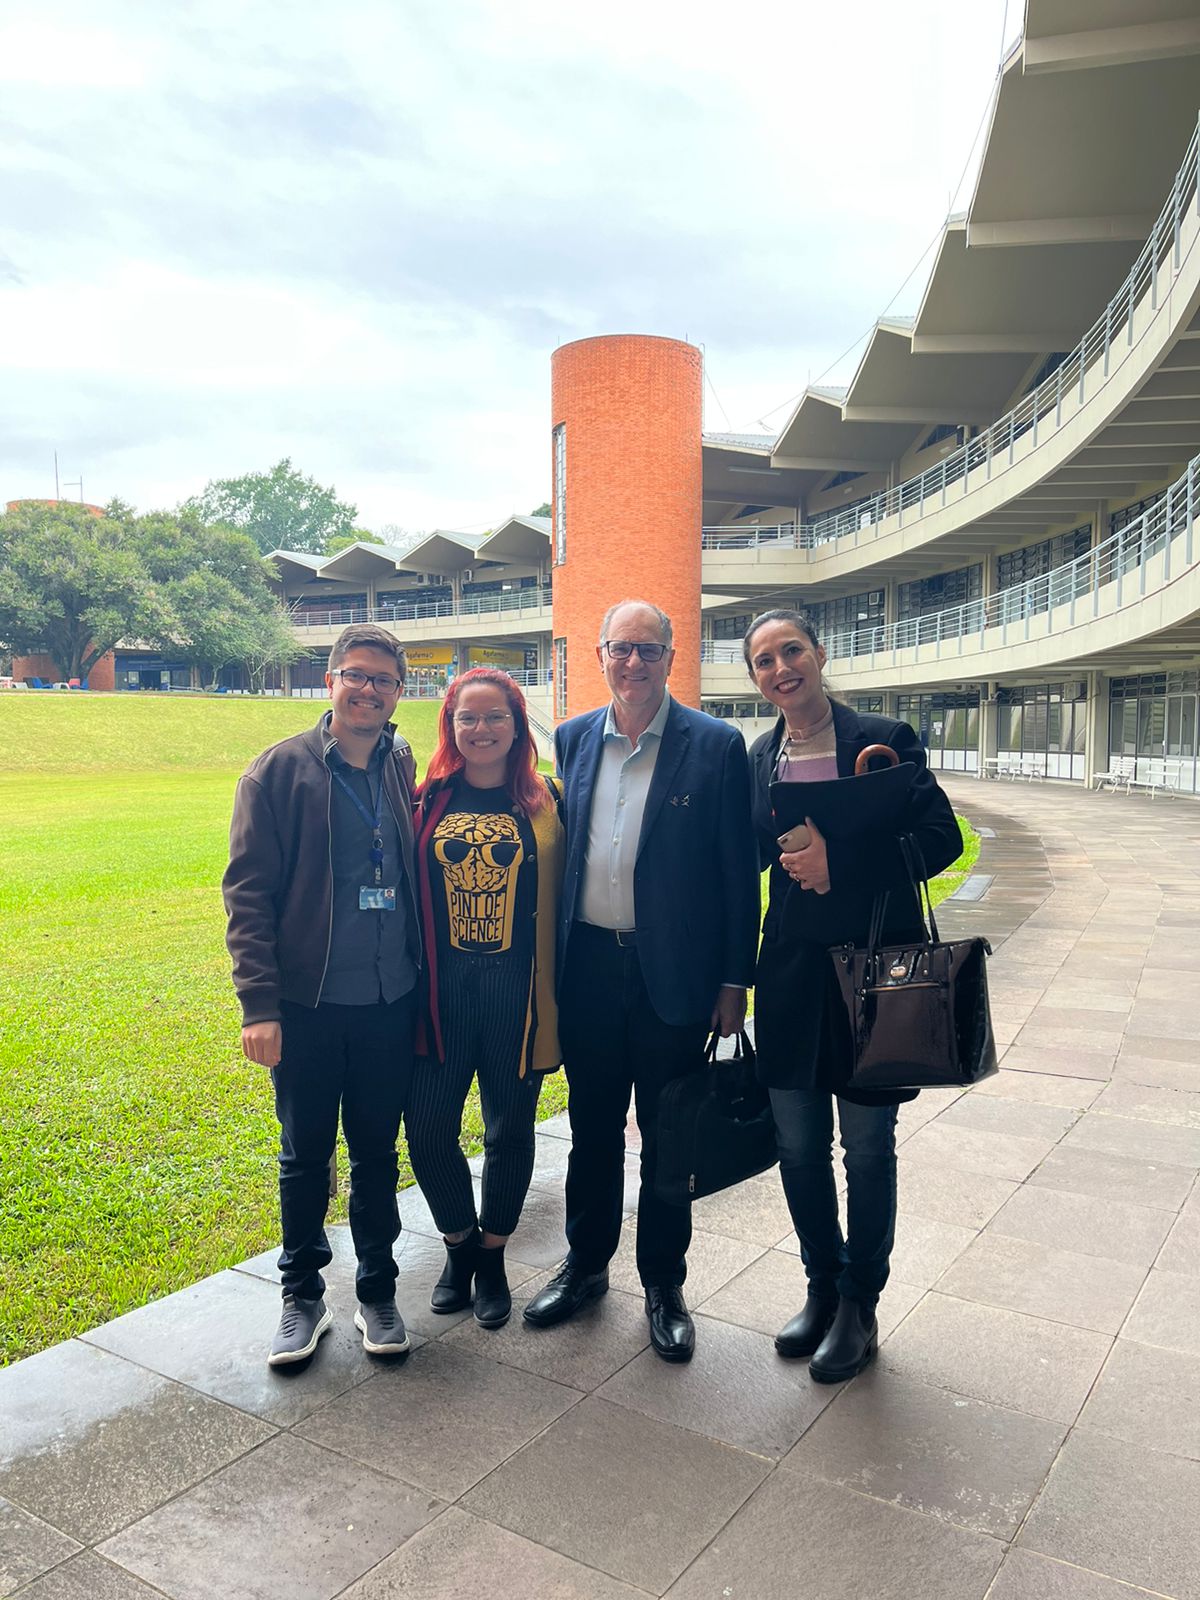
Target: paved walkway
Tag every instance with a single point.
(1031, 1431)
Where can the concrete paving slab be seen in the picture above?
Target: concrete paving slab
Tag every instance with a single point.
(1060, 1285)
(635, 1497)
(28, 1547)
(995, 1155)
(1174, 1107)
(443, 1421)
(1181, 1253)
(755, 1211)
(458, 1556)
(90, 1442)
(1038, 1088)
(1003, 1357)
(1113, 1230)
(1117, 1177)
(946, 1194)
(798, 1531)
(1167, 1312)
(1025, 1576)
(1118, 1509)
(312, 1520)
(1063, 1063)
(88, 1576)
(1146, 1141)
(1028, 1119)
(951, 1457)
(1183, 1075)
(712, 1260)
(736, 1389)
(1149, 1397)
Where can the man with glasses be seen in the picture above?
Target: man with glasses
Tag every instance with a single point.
(658, 931)
(324, 935)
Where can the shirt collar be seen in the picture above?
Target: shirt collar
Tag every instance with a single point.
(657, 723)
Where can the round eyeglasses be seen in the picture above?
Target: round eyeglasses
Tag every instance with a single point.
(622, 649)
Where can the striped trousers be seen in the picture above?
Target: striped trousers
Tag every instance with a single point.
(482, 1003)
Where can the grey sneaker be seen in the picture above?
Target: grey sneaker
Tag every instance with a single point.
(301, 1325)
(382, 1328)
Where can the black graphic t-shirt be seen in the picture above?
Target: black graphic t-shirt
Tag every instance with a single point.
(483, 872)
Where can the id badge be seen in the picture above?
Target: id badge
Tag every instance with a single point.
(372, 899)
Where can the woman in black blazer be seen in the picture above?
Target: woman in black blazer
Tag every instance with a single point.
(822, 895)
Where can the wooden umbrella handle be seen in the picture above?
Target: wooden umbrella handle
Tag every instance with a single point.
(865, 757)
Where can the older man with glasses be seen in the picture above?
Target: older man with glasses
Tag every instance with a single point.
(657, 937)
(325, 940)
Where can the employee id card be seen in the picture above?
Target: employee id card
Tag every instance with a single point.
(371, 898)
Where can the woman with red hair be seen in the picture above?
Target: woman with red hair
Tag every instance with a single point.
(489, 850)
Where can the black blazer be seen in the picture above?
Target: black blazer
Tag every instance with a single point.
(696, 882)
(792, 987)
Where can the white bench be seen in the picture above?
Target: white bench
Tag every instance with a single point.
(1163, 776)
(1118, 776)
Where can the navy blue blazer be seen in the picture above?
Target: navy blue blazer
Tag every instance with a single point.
(696, 882)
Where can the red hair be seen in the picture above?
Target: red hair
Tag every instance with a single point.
(525, 786)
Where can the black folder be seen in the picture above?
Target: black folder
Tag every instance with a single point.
(845, 807)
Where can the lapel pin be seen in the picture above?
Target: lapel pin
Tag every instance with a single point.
(681, 799)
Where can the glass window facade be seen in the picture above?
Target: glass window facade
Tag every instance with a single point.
(1153, 720)
(857, 614)
(947, 724)
(1044, 726)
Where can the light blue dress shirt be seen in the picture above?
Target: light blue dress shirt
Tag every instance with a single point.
(615, 825)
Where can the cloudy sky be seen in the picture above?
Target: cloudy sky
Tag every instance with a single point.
(353, 234)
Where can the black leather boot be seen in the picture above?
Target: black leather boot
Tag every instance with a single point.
(849, 1346)
(493, 1302)
(452, 1291)
(802, 1335)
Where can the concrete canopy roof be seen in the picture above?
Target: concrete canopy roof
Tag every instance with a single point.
(1069, 35)
(293, 564)
(1031, 298)
(735, 476)
(1076, 156)
(363, 560)
(892, 385)
(444, 551)
(816, 439)
(525, 539)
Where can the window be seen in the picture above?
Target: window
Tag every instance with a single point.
(839, 478)
(1046, 370)
(560, 677)
(731, 627)
(560, 494)
(943, 431)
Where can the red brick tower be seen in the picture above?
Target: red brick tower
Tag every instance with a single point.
(628, 525)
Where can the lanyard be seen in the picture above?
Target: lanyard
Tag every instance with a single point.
(372, 822)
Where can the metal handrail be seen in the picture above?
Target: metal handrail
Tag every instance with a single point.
(1119, 559)
(480, 605)
(1037, 411)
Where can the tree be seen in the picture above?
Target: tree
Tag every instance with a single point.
(541, 511)
(279, 510)
(73, 584)
(343, 541)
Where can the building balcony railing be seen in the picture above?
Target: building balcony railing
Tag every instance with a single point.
(1039, 412)
(1122, 559)
(479, 605)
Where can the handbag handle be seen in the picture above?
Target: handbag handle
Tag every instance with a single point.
(918, 876)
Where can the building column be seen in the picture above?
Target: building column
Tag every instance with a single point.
(989, 725)
(1095, 749)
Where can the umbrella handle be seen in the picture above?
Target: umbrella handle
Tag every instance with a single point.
(865, 757)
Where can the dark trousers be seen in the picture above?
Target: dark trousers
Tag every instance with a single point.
(854, 1266)
(615, 1044)
(357, 1059)
(482, 1003)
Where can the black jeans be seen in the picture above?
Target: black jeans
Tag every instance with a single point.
(483, 1001)
(856, 1266)
(358, 1059)
(614, 1044)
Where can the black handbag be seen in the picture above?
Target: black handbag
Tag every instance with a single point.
(715, 1127)
(915, 1016)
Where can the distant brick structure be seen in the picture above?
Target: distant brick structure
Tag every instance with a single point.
(630, 409)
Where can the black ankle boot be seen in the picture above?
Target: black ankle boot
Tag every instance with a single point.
(493, 1303)
(802, 1335)
(849, 1346)
(452, 1291)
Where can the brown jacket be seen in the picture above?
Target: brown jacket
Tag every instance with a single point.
(278, 887)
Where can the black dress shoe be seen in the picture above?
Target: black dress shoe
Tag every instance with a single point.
(802, 1335)
(849, 1346)
(672, 1331)
(562, 1297)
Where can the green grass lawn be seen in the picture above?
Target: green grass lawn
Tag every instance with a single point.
(137, 1148)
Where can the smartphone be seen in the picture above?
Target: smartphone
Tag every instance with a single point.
(796, 838)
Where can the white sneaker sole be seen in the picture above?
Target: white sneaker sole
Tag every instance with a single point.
(392, 1349)
(284, 1358)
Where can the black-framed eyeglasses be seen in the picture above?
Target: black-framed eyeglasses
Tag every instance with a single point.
(354, 679)
(622, 649)
(490, 719)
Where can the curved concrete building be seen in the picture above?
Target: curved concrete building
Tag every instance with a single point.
(628, 495)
